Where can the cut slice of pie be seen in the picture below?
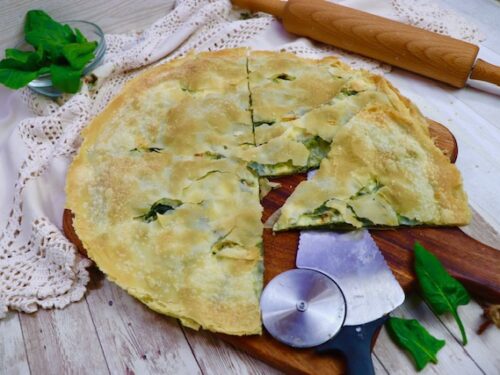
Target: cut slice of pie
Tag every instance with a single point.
(383, 169)
(299, 141)
(284, 86)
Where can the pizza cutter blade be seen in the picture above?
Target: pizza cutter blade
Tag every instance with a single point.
(302, 308)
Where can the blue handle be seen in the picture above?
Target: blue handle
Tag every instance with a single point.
(354, 342)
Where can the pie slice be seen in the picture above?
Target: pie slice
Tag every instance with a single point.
(284, 86)
(383, 169)
(194, 105)
(298, 143)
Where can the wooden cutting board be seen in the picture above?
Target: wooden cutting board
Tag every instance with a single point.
(475, 264)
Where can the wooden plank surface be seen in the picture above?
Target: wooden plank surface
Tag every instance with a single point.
(217, 357)
(475, 141)
(63, 341)
(133, 338)
(13, 359)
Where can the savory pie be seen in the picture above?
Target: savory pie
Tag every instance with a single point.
(165, 187)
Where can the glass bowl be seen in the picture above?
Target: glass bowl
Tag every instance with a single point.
(43, 84)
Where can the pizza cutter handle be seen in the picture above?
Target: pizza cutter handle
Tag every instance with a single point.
(355, 343)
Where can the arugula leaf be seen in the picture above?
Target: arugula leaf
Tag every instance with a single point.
(412, 336)
(159, 207)
(441, 291)
(66, 78)
(79, 54)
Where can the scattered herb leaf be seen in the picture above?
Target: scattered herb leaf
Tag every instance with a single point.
(441, 291)
(412, 336)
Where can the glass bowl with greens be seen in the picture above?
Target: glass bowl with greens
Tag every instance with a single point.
(54, 56)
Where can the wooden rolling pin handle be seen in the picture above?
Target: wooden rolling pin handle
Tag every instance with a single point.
(484, 71)
(420, 51)
(274, 7)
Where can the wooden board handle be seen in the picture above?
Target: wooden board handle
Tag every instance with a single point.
(484, 71)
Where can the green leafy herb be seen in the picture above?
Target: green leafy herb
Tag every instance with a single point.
(318, 149)
(282, 77)
(20, 68)
(25, 59)
(371, 188)
(79, 37)
(263, 122)
(323, 213)
(160, 207)
(441, 291)
(147, 149)
(210, 155)
(59, 50)
(41, 31)
(348, 92)
(66, 78)
(412, 336)
(403, 220)
(278, 169)
(79, 54)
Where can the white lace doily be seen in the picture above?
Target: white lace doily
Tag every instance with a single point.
(38, 266)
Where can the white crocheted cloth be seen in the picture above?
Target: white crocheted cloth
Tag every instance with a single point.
(38, 266)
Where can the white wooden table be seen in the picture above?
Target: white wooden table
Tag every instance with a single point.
(109, 332)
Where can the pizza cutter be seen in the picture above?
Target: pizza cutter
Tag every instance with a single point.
(340, 294)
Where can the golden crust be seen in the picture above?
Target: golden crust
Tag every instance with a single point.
(181, 135)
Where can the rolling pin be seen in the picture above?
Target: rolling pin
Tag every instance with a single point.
(420, 51)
